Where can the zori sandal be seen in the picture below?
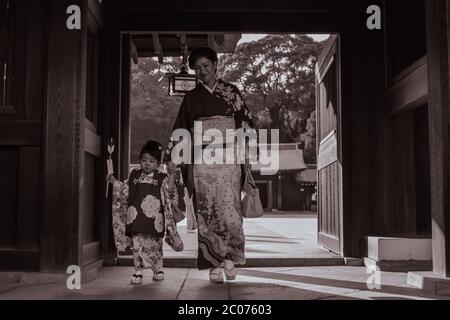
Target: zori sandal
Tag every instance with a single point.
(216, 275)
(136, 279)
(229, 270)
(158, 276)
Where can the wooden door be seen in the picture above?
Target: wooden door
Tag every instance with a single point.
(328, 138)
(22, 43)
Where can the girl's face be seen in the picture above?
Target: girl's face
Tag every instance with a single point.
(149, 163)
(205, 70)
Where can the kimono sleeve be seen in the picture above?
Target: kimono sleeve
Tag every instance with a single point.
(184, 120)
(243, 119)
(172, 237)
(119, 215)
(242, 114)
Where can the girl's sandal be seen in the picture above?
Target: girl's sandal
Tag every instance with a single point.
(136, 279)
(158, 276)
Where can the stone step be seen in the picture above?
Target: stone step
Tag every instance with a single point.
(429, 282)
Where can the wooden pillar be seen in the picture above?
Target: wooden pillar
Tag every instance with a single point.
(354, 132)
(109, 119)
(438, 27)
(60, 219)
(125, 103)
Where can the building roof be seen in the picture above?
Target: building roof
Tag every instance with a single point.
(290, 157)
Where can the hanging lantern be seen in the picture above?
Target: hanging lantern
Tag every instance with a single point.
(180, 83)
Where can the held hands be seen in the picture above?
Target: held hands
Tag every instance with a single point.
(171, 166)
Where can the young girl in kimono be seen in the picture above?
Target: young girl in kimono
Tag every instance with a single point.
(142, 213)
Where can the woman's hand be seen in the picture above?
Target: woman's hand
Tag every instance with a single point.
(171, 166)
(110, 178)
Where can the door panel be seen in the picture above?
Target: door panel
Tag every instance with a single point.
(329, 169)
(90, 188)
(22, 75)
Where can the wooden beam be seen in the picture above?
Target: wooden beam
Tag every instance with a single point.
(125, 103)
(92, 143)
(438, 60)
(242, 22)
(21, 133)
(157, 47)
(410, 92)
(109, 119)
(237, 6)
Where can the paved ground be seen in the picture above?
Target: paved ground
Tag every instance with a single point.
(271, 240)
(303, 283)
(277, 239)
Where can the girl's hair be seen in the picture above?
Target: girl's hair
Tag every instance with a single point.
(199, 52)
(153, 148)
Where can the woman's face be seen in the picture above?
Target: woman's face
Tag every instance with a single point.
(205, 70)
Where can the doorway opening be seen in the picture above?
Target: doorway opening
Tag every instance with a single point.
(276, 74)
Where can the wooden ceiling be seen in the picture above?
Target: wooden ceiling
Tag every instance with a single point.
(172, 44)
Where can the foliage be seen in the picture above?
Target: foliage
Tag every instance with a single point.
(152, 110)
(276, 76)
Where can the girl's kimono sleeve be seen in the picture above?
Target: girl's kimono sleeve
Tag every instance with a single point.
(170, 199)
(119, 215)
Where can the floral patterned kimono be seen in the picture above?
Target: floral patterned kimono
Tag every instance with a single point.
(216, 187)
(142, 216)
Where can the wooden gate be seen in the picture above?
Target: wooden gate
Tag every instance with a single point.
(328, 111)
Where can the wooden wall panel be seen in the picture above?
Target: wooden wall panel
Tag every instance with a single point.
(9, 171)
(29, 198)
(36, 63)
(403, 174)
(88, 211)
(422, 164)
(329, 206)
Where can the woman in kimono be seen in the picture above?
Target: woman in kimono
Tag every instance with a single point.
(142, 213)
(216, 187)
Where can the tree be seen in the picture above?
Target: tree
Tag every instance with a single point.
(152, 110)
(276, 77)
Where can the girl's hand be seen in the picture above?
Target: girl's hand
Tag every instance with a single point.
(110, 178)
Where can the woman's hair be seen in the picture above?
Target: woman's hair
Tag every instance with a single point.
(153, 148)
(199, 52)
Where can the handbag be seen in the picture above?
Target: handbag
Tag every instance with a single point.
(251, 203)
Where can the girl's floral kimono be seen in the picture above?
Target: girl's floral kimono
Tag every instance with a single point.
(216, 188)
(142, 217)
